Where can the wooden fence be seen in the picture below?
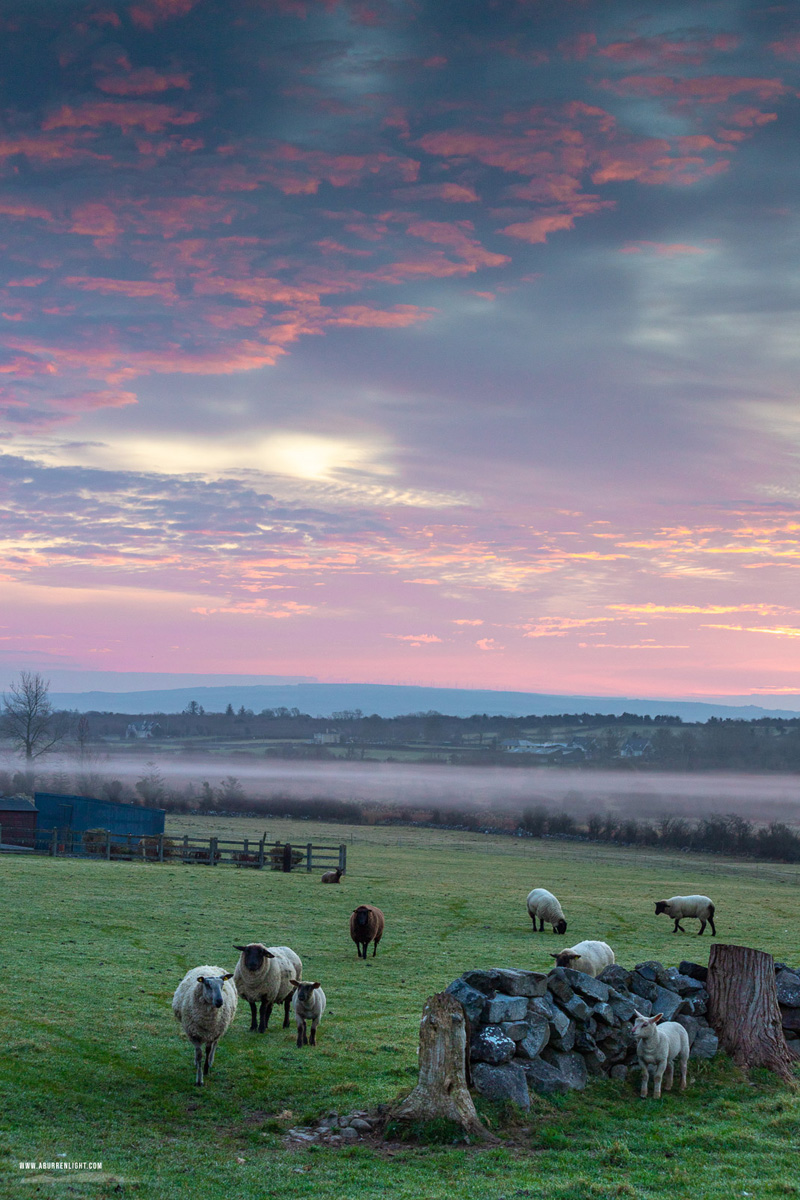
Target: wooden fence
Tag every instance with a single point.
(257, 854)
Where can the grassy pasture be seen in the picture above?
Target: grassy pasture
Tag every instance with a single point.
(92, 1067)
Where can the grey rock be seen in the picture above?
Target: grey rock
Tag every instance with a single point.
(684, 985)
(584, 1043)
(502, 1083)
(571, 1067)
(349, 1134)
(578, 1009)
(617, 1045)
(508, 981)
(615, 976)
(653, 970)
(705, 1044)
(618, 1071)
(490, 1045)
(539, 1008)
(641, 986)
(595, 1061)
(505, 1008)
(361, 1124)
(690, 1024)
(545, 1079)
(697, 1005)
(790, 1019)
(693, 970)
(669, 1004)
(558, 986)
(565, 1040)
(604, 1013)
(624, 1009)
(788, 987)
(516, 1030)
(559, 1021)
(586, 986)
(536, 1040)
(470, 997)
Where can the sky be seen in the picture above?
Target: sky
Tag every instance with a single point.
(402, 341)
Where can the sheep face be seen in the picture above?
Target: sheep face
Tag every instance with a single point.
(362, 917)
(642, 1025)
(253, 955)
(561, 927)
(304, 990)
(661, 906)
(212, 988)
(565, 958)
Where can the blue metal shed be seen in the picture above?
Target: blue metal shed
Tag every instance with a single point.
(79, 813)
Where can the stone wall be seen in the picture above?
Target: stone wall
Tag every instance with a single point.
(551, 1032)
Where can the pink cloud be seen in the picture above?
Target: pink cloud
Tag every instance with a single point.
(663, 249)
(787, 47)
(704, 89)
(452, 193)
(126, 114)
(456, 236)
(142, 82)
(537, 229)
(149, 13)
(138, 289)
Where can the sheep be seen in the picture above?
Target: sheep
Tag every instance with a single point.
(589, 957)
(333, 876)
(366, 925)
(264, 973)
(205, 1004)
(680, 907)
(543, 904)
(308, 1003)
(657, 1047)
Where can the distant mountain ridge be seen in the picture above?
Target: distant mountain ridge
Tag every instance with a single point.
(387, 700)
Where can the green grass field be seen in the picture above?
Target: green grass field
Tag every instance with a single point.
(92, 1066)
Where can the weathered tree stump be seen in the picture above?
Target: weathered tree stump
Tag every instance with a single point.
(743, 1008)
(442, 1091)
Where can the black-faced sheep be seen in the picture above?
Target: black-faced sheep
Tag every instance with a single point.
(366, 925)
(205, 1003)
(264, 975)
(681, 907)
(589, 957)
(333, 876)
(657, 1047)
(543, 904)
(308, 1003)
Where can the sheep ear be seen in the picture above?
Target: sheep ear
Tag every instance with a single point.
(268, 955)
(314, 985)
(242, 948)
(294, 982)
(553, 954)
(657, 1018)
(227, 975)
(201, 978)
(641, 1016)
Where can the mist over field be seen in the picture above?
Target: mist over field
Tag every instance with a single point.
(640, 795)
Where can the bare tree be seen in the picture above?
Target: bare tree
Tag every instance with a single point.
(28, 718)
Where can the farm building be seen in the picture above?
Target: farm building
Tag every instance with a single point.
(79, 813)
(17, 821)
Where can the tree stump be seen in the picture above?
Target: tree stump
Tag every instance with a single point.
(743, 1008)
(442, 1091)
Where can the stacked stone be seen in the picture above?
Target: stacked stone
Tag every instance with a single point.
(787, 982)
(550, 1032)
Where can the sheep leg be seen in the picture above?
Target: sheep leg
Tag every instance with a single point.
(534, 925)
(678, 926)
(301, 1029)
(702, 927)
(253, 1016)
(375, 947)
(645, 1082)
(713, 927)
(266, 1013)
(657, 1081)
(198, 1063)
(286, 1005)
(684, 1065)
(668, 1077)
(313, 1038)
(211, 1050)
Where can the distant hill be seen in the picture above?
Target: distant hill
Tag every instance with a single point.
(323, 699)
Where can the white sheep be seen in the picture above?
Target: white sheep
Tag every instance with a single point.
(680, 907)
(589, 957)
(205, 1004)
(264, 973)
(308, 1003)
(545, 906)
(657, 1047)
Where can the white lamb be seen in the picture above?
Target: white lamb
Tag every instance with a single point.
(680, 907)
(589, 957)
(308, 1003)
(205, 1004)
(543, 904)
(264, 973)
(657, 1047)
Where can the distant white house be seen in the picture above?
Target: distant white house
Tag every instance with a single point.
(145, 729)
(636, 747)
(327, 739)
(542, 749)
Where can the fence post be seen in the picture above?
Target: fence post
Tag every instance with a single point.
(54, 843)
(143, 844)
(185, 846)
(129, 845)
(161, 847)
(108, 845)
(246, 849)
(261, 855)
(212, 851)
(343, 857)
(309, 849)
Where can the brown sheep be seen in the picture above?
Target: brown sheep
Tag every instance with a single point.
(333, 876)
(366, 925)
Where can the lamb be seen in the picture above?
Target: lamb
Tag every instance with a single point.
(308, 1003)
(543, 904)
(680, 907)
(205, 1004)
(657, 1047)
(264, 973)
(333, 876)
(589, 957)
(366, 925)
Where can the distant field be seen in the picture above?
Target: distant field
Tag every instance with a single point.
(92, 1066)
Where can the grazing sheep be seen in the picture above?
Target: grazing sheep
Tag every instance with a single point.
(333, 876)
(680, 907)
(264, 973)
(589, 957)
(543, 904)
(657, 1047)
(205, 1004)
(308, 1003)
(366, 925)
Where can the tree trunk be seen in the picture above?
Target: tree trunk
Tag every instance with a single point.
(442, 1090)
(743, 1008)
